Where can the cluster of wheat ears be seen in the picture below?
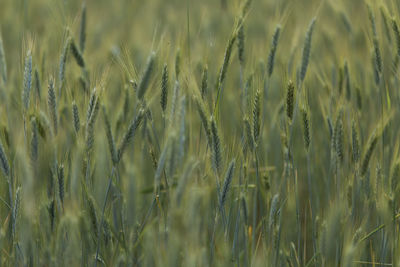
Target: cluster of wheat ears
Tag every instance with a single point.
(272, 143)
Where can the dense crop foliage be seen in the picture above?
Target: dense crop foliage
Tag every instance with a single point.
(199, 133)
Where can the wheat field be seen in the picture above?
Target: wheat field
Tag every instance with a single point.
(199, 133)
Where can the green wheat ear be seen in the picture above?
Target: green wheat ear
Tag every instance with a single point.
(256, 116)
(246, 8)
(82, 29)
(272, 52)
(51, 101)
(249, 134)
(75, 114)
(5, 166)
(290, 100)
(348, 86)
(368, 154)
(227, 56)
(77, 53)
(37, 85)
(3, 64)
(130, 133)
(145, 80)
(395, 177)
(34, 140)
(164, 88)
(204, 82)
(339, 136)
(93, 110)
(15, 212)
(306, 50)
(223, 71)
(385, 21)
(396, 33)
(240, 42)
(27, 80)
(110, 137)
(177, 64)
(204, 121)
(355, 143)
(359, 98)
(306, 128)
(377, 63)
(61, 179)
(216, 148)
(227, 183)
(62, 65)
